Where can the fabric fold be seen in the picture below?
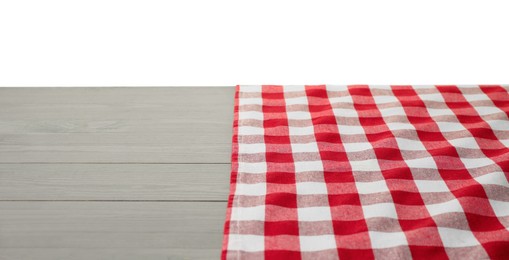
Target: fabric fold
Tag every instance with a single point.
(365, 172)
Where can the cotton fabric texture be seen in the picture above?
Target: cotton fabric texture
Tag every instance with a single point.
(364, 172)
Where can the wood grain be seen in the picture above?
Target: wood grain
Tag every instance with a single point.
(114, 173)
(116, 125)
(114, 181)
(111, 230)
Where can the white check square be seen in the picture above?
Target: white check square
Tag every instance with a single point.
(439, 112)
(369, 165)
(299, 115)
(385, 99)
(386, 210)
(305, 130)
(251, 88)
(256, 115)
(314, 214)
(252, 148)
(357, 147)
(431, 186)
(387, 239)
(450, 126)
(248, 213)
(410, 145)
(251, 101)
(311, 147)
(255, 168)
(371, 187)
(317, 243)
(254, 189)
(475, 97)
(422, 163)
(296, 101)
(444, 207)
(248, 243)
(250, 130)
(452, 237)
(308, 166)
(350, 129)
(311, 188)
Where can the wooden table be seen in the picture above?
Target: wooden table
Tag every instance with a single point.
(114, 173)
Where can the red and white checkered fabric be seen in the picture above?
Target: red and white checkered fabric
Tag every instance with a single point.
(362, 172)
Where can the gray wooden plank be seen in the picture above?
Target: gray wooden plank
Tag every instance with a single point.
(122, 125)
(111, 230)
(114, 181)
(111, 95)
(106, 254)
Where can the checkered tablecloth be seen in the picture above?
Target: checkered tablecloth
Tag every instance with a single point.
(362, 172)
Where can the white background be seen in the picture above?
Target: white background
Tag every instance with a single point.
(214, 43)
